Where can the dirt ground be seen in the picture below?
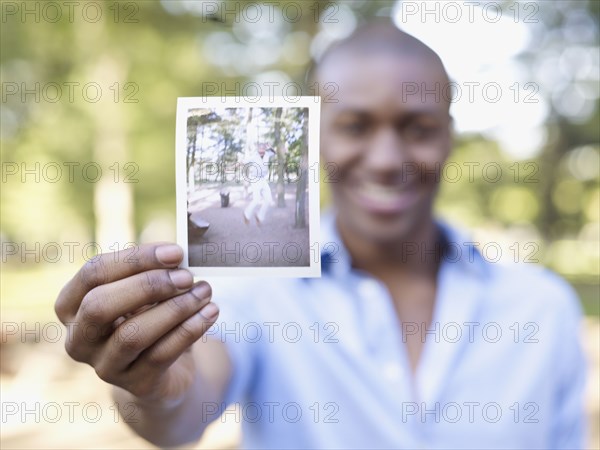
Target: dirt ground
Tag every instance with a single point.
(230, 242)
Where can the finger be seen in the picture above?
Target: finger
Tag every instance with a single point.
(110, 267)
(166, 350)
(104, 304)
(140, 332)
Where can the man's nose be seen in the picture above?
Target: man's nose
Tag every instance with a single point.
(387, 152)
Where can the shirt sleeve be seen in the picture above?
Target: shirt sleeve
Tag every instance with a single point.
(570, 427)
(234, 300)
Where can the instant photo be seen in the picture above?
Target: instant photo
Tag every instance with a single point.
(248, 185)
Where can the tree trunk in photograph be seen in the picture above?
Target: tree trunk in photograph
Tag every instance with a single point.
(192, 131)
(303, 176)
(195, 158)
(221, 162)
(247, 153)
(280, 147)
(248, 147)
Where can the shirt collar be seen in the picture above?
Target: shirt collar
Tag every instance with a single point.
(459, 250)
(335, 259)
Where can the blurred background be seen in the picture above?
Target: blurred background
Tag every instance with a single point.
(87, 146)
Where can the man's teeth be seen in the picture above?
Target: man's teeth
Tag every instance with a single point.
(382, 193)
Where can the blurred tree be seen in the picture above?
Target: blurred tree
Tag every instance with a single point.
(566, 35)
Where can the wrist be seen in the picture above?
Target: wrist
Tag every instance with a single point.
(151, 403)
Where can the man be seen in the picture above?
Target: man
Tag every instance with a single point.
(392, 347)
(256, 172)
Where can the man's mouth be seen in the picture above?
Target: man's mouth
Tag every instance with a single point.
(385, 198)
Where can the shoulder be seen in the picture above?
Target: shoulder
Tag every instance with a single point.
(519, 286)
(534, 286)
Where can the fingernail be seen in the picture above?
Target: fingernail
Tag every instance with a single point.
(169, 254)
(201, 292)
(181, 278)
(210, 311)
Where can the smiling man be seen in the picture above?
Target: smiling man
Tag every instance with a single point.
(389, 148)
(409, 340)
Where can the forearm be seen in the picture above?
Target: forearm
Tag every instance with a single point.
(171, 423)
(181, 422)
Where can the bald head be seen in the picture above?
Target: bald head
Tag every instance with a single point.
(376, 38)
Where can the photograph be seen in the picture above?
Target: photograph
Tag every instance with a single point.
(247, 185)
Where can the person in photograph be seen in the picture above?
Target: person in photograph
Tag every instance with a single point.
(256, 172)
(410, 339)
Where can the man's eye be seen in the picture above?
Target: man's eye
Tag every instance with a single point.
(420, 132)
(354, 128)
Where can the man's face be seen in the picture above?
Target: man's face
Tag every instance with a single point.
(261, 150)
(384, 150)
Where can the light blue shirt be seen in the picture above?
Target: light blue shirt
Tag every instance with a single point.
(321, 363)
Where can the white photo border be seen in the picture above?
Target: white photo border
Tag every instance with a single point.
(184, 104)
